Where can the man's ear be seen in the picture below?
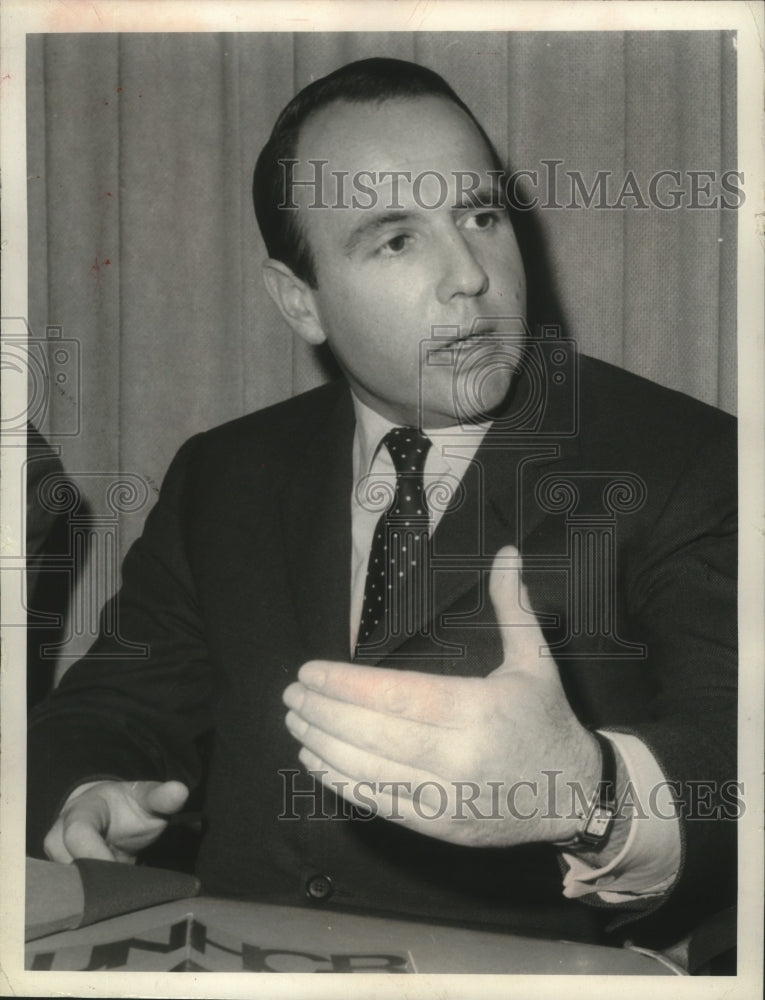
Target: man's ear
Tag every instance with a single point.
(294, 300)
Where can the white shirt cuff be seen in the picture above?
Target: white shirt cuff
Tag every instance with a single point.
(648, 863)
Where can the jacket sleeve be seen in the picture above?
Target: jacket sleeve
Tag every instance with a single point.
(684, 600)
(138, 705)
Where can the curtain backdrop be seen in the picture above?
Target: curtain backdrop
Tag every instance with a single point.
(144, 248)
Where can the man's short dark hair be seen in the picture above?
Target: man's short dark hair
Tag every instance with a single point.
(368, 80)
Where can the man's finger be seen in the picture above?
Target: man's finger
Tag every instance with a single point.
(404, 787)
(160, 798)
(396, 738)
(429, 698)
(421, 804)
(523, 643)
(53, 845)
(358, 764)
(83, 840)
(367, 738)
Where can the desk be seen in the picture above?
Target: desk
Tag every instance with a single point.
(221, 935)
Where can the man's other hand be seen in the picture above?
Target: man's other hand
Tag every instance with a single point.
(113, 820)
(479, 761)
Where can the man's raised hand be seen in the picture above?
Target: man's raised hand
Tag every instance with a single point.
(464, 759)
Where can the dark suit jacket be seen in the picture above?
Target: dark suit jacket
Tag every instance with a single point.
(242, 574)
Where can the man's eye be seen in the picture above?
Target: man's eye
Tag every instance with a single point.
(395, 245)
(482, 220)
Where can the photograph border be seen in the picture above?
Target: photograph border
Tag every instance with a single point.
(19, 18)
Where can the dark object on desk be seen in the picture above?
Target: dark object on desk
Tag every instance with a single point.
(62, 897)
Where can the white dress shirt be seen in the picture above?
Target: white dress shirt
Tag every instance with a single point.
(649, 860)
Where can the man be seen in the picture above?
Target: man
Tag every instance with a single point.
(550, 636)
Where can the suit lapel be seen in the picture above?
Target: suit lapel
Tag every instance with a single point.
(316, 526)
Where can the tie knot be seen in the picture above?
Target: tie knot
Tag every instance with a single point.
(408, 448)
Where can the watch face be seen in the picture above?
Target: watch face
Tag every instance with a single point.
(599, 823)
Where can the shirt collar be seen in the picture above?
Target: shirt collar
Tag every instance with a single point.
(452, 446)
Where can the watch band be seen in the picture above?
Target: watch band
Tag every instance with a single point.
(597, 824)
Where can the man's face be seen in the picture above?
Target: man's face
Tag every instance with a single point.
(423, 265)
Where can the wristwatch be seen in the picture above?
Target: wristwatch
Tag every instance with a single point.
(597, 824)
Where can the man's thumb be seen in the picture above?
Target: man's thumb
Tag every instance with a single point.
(162, 797)
(522, 638)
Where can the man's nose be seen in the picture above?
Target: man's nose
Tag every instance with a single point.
(462, 272)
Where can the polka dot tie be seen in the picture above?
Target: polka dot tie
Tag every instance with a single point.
(395, 589)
